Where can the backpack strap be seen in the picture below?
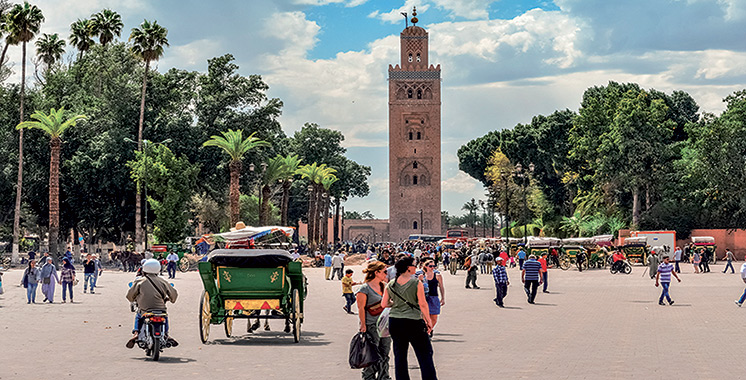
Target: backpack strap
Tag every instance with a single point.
(157, 289)
(416, 307)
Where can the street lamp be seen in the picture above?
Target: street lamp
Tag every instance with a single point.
(524, 179)
(145, 185)
(484, 217)
(473, 217)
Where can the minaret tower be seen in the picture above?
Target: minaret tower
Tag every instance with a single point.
(414, 138)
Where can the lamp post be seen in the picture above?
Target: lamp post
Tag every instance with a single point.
(473, 216)
(145, 184)
(524, 178)
(309, 222)
(484, 217)
(505, 177)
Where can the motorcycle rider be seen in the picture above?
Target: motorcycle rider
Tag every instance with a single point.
(151, 293)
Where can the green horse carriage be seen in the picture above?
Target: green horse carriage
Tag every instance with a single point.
(241, 281)
(636, 249)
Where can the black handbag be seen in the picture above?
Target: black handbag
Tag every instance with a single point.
(363, 353)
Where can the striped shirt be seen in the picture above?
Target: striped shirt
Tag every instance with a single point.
(532, 268)
(500, 275)
(665, 272)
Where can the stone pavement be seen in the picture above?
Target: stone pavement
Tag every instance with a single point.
(593, 325)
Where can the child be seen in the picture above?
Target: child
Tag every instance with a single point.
(347, 293)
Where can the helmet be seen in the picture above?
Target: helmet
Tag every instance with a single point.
(151, 266)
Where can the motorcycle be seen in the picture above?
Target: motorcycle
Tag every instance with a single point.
(622, 266)
(152, 337)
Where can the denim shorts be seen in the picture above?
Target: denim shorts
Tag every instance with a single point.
(433, 303)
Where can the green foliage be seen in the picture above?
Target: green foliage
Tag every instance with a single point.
(49, 48)
(147, 41)
(359, 215)
(250, 211)
(169, 180)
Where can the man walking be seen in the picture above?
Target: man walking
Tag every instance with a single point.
(172, 259)
(471, 274)
(336, 266)
(89, 271)
(739, 301)
(489, 260)
(729, 257)
(521, 258)
(653, 263)
(544, 272)
(327, 265)
(677, 259)
(663, 276)
(500, 275)
(531, 277)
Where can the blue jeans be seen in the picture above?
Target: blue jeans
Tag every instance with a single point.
(545, 280)
(171, 266)
(67, 285)
(729, 265)
(31, 292)
(89, 278)
(664, 293)
(349, 299)
(743, 297)
(677, 267)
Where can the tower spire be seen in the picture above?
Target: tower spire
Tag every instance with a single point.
(414, 16)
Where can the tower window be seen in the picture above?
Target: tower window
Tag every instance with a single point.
(418, 57)
(414, 225)
(414, 180)
(415, 150)
(422, 121)
(419, 136)
(410, 135)
(414, 165)
(410, 58)
(419, 94)
(426, 224)
(409, 93)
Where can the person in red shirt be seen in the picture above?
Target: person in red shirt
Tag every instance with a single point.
(543, 262)
(618, 258)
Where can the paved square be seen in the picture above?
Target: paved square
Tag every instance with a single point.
(593, 325)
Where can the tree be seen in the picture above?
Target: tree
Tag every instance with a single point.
(208, 213)
(4, 6)
(147, 43)
(106, 24)
(170, 179)
(235, 146)
(316, 175)
(80, 36)
(49, 48)
(290, 164)
(23, 23)
(53, 125)
(326, 184)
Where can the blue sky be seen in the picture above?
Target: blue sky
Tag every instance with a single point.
(503, 62)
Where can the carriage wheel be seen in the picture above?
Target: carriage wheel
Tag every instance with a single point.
(295, 313)
(627, 269)
(204, 317)
(184, 264)
(564, 261)
(228, 326)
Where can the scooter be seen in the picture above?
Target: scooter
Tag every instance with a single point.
(152, 337)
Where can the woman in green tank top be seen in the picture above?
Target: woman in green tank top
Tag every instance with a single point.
(409, 321)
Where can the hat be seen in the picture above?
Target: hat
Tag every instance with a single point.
(499, 259)
(239, 226)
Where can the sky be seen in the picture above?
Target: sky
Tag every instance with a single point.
(502, 62)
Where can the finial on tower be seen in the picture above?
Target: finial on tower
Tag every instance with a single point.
(414, 16)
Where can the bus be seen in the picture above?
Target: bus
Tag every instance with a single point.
(426, 238)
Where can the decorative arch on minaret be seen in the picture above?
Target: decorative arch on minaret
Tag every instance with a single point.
(414, 173)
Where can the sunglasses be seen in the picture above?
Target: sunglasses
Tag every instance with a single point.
(431, 266)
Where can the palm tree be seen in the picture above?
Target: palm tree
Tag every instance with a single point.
(573, 224)
(148, 43)
(50, 48)
(233, 143)
(290, 164)
(315, 174)
(54, 125)
(274, 172)
(327, 182)
(23, 23)
(80, 36)
(4, 32)
(106, 24)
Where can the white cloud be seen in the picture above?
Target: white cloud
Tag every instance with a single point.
(191, 56)
(296, 32)
(394, 16)
(461, 183)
